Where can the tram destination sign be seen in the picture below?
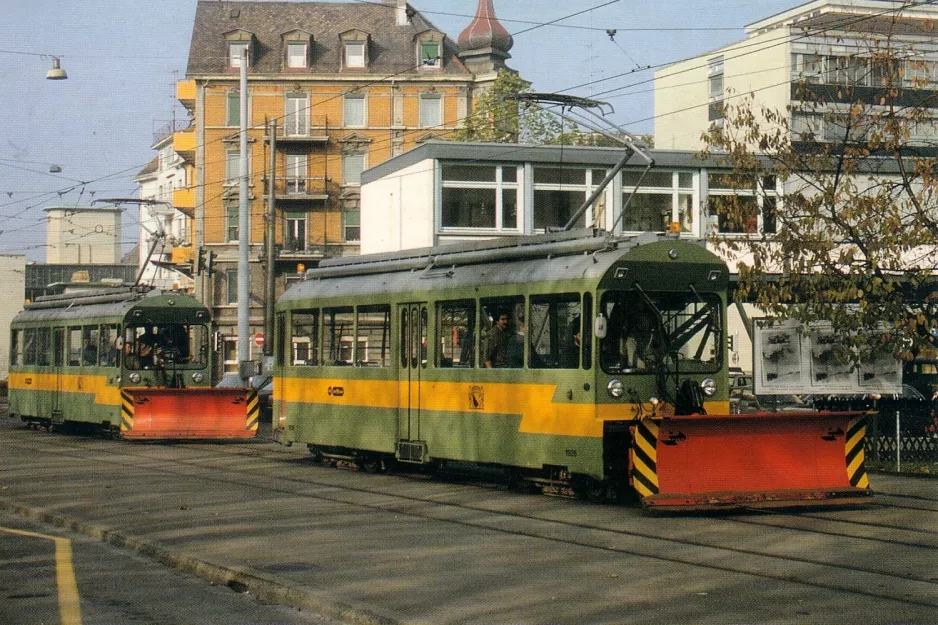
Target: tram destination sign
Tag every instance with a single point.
(791, 358)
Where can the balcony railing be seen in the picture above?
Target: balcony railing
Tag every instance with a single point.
(300, 188)
(301, 129)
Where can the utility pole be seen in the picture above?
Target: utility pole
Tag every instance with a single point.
(244, 236)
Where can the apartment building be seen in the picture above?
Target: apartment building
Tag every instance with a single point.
(811, 63)
(333, 88)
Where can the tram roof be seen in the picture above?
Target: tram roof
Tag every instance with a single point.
(96, 304)
(459, 269)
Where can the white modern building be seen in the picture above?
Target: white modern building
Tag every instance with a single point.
(13, 279)
(83, 235)
(831, 52)
(165, 231)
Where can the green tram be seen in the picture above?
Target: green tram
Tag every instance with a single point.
(127, 362)
(573, 359)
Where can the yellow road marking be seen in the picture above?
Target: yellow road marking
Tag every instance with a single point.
(69, 608)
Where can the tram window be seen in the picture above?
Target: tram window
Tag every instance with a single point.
(502, 346)
(373, 343)
(58, 347)
(37, 344)
(337, 336)
(89, 345)
(107, 345)
(74, 347)
(456, 332)
(305, 337)
(16, 347)
(555, 332)
(587, 337)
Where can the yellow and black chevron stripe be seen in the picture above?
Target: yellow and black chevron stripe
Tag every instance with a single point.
(254, 412)
(127, 411)
(645, 458)
(856, 469)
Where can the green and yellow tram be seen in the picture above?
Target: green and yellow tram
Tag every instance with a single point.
(573, 359)
(128, 362)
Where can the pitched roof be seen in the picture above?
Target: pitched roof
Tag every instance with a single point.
(391, 49)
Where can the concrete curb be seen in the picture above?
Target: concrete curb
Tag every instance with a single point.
(269, 588)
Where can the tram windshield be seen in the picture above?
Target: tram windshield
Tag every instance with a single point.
(650, 331)
(165, 346)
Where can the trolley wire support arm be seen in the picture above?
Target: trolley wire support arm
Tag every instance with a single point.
(594, 121)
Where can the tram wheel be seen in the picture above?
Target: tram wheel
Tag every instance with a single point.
(316, 454)
(590, 490)
(370, 463)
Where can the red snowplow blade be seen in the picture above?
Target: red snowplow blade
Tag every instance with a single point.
(759, 460)
(189, 413)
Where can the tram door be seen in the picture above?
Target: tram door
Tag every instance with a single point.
(58, 364)
(413, 363)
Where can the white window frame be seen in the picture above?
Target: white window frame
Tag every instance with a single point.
(426, 98)
(295, 221)
(296, 115)
(297, 173)
(500, 186)
(233, 167)
(427, 62)
(355, 58)
(346, 160)
(760, 193)
(675, 191)
(350, 102)
(297, 54)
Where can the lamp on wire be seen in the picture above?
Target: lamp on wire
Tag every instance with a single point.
(56, 73)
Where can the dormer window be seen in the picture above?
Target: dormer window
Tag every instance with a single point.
(296, 48)
(430, 54)
(355, 54)
(354, 49)
(238, 41)
(236, 53)
(297, 54)
(429, 49)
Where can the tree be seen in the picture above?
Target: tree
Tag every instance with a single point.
(499, 117)
(853, 239)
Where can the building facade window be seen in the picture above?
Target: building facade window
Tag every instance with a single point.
(662, 198)
(296, 173)
(353, 110)
(229, 349)
(743, 207)
(231, 286)
(297, 54)
(232, 225)
(233, 109)
(715, 88)
(296, 115)
(233, 167)
(354, 54)
(431, 110)
(351, 226)
(558, 193)
(294, 236)
(480, 196)
(353, 164)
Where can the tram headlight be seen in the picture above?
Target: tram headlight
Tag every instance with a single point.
(616, 388)
(708, 386)
(197, 377)
(135, 377)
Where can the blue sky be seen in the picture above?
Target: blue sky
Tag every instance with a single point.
(124, 57)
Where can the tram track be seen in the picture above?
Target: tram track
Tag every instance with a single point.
(712, 555)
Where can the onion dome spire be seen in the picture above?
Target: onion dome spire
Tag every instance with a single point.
(486, 31)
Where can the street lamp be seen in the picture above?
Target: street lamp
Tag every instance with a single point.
(56, 73)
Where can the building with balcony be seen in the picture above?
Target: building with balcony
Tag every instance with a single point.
(811, 64)
(333, 89)
(165, 250)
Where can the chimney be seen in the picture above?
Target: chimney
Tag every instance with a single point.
(400, 12)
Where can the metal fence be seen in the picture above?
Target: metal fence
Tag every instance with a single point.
(898, 430)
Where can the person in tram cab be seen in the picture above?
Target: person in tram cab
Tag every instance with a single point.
(571, 351)
(643, 341)
(496, 343)
(131, 359)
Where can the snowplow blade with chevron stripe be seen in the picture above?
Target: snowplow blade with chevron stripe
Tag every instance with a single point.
(189, 413)
(763, 460)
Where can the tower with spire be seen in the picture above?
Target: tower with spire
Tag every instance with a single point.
(485, 43)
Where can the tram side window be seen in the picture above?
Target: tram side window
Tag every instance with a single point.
(456, 332)
(107, 345)
(503, 333)
(373, 342)
(74, 347)
(16, 347)
(555, 332)
(58, 347)
(305, 337)
(89, 345)
(37, 346)
(337, 334)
